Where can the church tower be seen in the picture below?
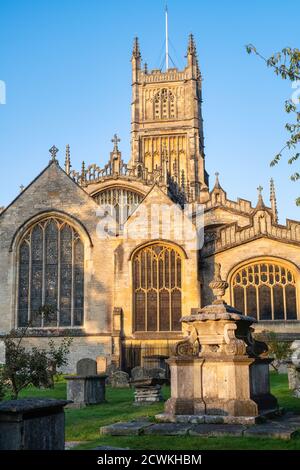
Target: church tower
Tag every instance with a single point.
(166, 121)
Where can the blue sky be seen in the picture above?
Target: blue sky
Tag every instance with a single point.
(66, 65)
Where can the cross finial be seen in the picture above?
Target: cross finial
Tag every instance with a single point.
(217, 182)
(115, 140)
(259, 189)
(53, 151)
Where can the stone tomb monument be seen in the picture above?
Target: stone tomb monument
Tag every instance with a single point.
(219, 370)
(294, 369)
(87, 387)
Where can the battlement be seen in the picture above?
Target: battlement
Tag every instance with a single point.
(158, 76)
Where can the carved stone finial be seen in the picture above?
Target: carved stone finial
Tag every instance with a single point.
(273, 200)
(83, 173)
(115, 140)
(217, 285)
(191, 45)
(260, 203)
(217, 182)
(68, 160)
(53, 152)
(136, 49)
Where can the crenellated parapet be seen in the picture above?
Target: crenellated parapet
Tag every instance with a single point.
(261, 224)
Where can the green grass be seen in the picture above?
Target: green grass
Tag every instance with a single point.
(83, 424)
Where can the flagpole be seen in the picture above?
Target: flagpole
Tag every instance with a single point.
(167, 41)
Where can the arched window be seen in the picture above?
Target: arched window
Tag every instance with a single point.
(164, 104)
(266, 291)
(119, 203)
(51, 273)
(157, 288)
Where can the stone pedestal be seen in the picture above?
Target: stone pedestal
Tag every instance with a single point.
(294, 379)
(85, 390)
(32, 424)
(147, 391)
(219, 369)
(294, 369)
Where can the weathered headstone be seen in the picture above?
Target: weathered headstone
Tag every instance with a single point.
(119, 379)
(101, 364)
(139, 373)
(157, 373)
(86, 366)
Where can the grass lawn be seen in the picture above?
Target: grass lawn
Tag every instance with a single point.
(83, 424)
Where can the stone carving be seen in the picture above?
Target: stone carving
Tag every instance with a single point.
(186, 347)
(294, 369)
(233, 345)
(217, 285)
(255, 348)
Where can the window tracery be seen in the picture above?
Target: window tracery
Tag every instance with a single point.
(266, 291)
(51, 272)
(157, 288)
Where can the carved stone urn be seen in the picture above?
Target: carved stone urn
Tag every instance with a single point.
(218, 369)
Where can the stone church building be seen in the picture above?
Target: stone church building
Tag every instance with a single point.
(120, 296)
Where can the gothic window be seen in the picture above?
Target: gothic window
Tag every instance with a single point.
(157, 288)
(164, 104)
(266, 291)
(119, 203)
(51, 273)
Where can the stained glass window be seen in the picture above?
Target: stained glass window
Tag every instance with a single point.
(119, 203)
(51, 273)
(266, 291)
(157, 289)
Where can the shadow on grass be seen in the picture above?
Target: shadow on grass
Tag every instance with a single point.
(84, 424)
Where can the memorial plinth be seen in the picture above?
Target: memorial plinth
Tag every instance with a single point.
(219, 369)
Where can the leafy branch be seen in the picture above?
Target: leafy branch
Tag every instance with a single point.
(286, 64)
(33, 366)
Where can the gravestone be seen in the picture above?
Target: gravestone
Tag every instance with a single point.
(86, 366)
(101, 364)
(157, 373)
(138, 373)
(119, 379)
(87, 387)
